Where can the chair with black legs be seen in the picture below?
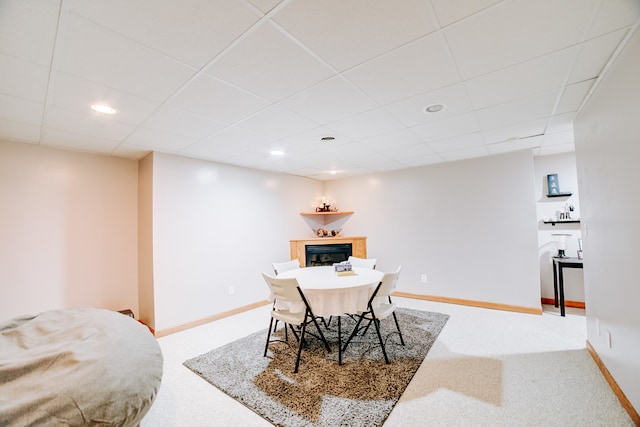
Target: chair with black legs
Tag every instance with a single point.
(363, 262)
(298, 314)
(379, 311)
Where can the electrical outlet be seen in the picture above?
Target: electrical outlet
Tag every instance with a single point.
(609, 339)
(423, 278)
(231, 290)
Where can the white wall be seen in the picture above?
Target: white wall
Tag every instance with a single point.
(67, 230)
(216, 226)
(607, 135)
(469, 225)
(565, 166)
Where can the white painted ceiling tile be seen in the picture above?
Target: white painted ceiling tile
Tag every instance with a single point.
(466, 153)
(513, 32)
(209, 97)
(421, 66)
(23, 79)
(72, 141)
(77, 94)
(451, 11)
(557, 138)
(515, 132)
(521, 80)
(13, 131)
(561, 123)
(269, 64)
(348, 33)
(131, 151)
(96, 54)
(411, 111)
(555, 149)
(522, 110)
(311, 141)
(20, 110)
(430, 159)
(516, 145)
(395, 139)
(28, 29)
(276, 123)
(447, 128)
(573, 96)
(265, 5)
(182, 122)
(366, 125)
(90, 123)
(159, 140)
(226, 143)
(594, 55)
(413, 151)
(328, 101)
(457, 143)
(160, 25)
(614, 14)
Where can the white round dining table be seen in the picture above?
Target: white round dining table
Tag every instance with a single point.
(329, 294)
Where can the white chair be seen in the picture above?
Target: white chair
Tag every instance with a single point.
(363, 262)
(288, 292)
(376, 313)
(280, 267)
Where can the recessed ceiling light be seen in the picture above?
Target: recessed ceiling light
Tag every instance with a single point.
(327, 138)
(434, 108)
(104, 109)
(276, 152)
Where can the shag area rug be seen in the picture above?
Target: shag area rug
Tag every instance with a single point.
(360, 392)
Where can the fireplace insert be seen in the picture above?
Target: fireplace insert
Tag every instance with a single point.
(327, 254)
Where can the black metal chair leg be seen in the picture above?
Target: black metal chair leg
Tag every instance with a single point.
(353, 334)
(376, 323)
(266, 346)
(304, 325)
(398, 326)
(326, 344)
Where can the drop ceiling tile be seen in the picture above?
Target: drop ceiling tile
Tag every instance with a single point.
(523, 110)
(413, 151)
(614, 14)
(130, 151)
(209, 97)
(167, 119)
(77, 94)
(573, 96)
(411, 111)
(512, 32)
(265, 5)
(514, 132)
(348, 33)
(451, 11)
(515, 145)
(28, 29)
(521, 80)
(421, 66)
(102, 56)
(358, 153)
(90, 123)
(367, 124)
(457, 143)
(311, 141)
(594, 55)
(226, 143)
(391, 140)
(554, 149)
(557, 138)
(71, 141)
(159, 141)
(161, 25)
(447, 128)
(430, 159)
(561, 123)
(328, 101)
(467, 153)
(23, 79)
(20, 110)
(276, 123)
(269, 64)
(13, 131)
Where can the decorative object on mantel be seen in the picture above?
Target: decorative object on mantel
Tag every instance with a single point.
(326, 206)
(321, 232)
(553, 187)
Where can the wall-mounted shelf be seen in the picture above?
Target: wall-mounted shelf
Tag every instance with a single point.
(326, 217)
(563, 221)
(567, 194)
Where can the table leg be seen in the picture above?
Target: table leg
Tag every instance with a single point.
(561, 291)
(555, 283)
(339, 342)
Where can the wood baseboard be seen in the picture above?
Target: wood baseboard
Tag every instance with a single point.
(574, 304)
(614, 385)
(169, 331)
(472, 303)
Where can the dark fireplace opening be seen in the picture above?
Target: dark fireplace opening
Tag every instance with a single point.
(327, 254)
